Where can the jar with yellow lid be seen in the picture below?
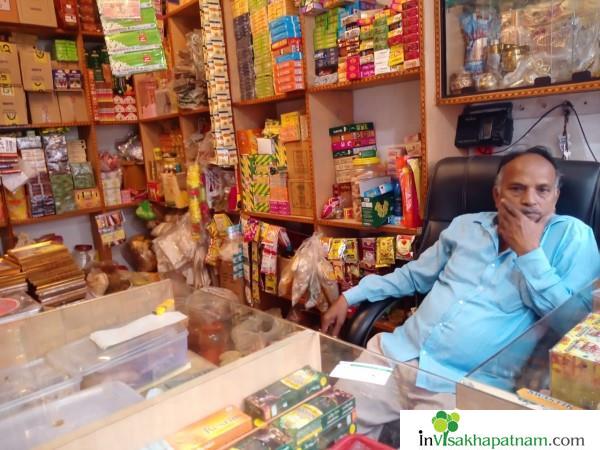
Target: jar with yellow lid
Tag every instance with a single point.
(363, 169)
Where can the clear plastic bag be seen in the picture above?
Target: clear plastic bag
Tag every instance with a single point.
(313, 276)
(257, 332)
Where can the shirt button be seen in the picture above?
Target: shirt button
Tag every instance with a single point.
(492, 265)
(460, 302)
(479, 289)
(423, 352)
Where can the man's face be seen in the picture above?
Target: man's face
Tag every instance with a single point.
(529, 184)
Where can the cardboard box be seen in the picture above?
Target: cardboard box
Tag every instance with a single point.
(301, 197)
(73, 107)
(8, 11)
(13, 107)
(298, 160)
(43, 107)
(285, 393)
(215, 431)
(10, 71)
(36, 70)
(37, 12)
(227, 281)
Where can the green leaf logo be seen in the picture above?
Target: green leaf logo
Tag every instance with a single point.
(444, 422)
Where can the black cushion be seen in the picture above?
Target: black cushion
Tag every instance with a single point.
(462, 185)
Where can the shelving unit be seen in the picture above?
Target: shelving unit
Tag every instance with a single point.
(178, 21)
(329, 106)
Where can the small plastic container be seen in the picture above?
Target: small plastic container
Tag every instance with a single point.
(31, 384)
(47, 422)
(138, 362)
(363, 169)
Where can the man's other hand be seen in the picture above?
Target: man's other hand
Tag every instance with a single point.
(518, 231)
(335, 317)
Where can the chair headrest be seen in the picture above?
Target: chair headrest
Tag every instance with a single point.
(462, 185)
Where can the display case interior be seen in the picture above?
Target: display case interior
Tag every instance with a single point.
(217, 359)
(555, 364)
(492, 46)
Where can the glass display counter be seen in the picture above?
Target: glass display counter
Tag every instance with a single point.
(305, 387)
(491, 46)
(555, 364)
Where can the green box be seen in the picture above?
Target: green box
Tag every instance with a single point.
(125, 64)
(133, 41)
(376, 210)
(63, 50)
(285, 393)
(310, 420)
(147, 20)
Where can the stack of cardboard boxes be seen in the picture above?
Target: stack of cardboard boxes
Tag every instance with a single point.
(31, 12)
(53, 89)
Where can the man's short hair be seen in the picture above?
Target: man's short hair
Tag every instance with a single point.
(537, 150)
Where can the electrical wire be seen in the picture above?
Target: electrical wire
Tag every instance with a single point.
(570, 105)
(563, 104)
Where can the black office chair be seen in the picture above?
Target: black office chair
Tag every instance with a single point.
(462, 185)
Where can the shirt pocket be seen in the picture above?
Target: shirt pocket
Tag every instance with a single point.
(508, 297)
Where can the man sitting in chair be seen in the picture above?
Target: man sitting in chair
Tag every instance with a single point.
(490, 276)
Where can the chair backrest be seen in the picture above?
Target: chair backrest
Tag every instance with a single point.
(462, 185)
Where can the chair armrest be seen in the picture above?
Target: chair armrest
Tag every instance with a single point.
(358, 329)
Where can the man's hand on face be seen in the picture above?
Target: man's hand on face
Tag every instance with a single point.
(335, 316)
(518, 231)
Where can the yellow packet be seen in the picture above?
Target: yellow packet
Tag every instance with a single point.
(385, 255)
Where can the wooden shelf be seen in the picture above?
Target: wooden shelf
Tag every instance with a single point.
(93, 34)
(510, 94)
(191, 7)
(377, 80)
(354, 225)
(280, 217)
(37, 30)
(67, 215)
(169, 116)
(46, 125)
(276, 98)
(191, 112)
(115, 122)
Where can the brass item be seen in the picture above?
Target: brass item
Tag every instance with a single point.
(460, 81)
(511, 55)
(486, 82)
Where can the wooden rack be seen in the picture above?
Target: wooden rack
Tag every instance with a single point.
(179, 20)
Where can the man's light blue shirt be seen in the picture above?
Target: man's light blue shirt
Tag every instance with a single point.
(479, 299)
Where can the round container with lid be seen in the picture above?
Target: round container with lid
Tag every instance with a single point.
(363, 169)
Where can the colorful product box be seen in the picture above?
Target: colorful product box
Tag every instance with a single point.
(575, 364)
(285, 393)
(214, 431)
(311, 419)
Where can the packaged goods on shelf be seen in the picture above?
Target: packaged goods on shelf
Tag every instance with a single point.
(360, 40)
(134, 45)
(53, 276)
(88, 16)
(218, 83)
(575, 362)
(10, 71)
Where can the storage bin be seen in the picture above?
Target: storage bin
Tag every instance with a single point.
(46, 422)
(27, 385)
(137, 362)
